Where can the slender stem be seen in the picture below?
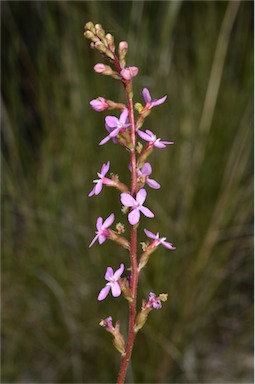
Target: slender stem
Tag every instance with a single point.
(133, 243)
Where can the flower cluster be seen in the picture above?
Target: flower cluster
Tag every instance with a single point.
(124, 129)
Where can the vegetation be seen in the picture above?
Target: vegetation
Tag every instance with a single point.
(200, 54)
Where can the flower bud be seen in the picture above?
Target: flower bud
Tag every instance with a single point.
(88, 34)
(138, 107)
(99, 28)
(99, 104)
(128, 73)
(100, 46)
(110, 41)
(100, 68)
(106, 70)
(123, 48)
(90, 26)
(120, 228)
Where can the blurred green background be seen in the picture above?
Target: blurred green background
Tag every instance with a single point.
(198, 53)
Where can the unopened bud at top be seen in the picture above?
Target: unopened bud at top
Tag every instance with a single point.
(123, 48)
(110, 41)
(90, 26)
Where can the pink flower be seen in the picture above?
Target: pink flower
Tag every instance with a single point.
(152, 139)
(112, 284)
(115, 125)
(99, 104)
(148, 100)
(136, 206)
(158, 240)
(102, 231)
(156, 303)
(107, 323)
(145, 171)
(128, 73)
(102, 180)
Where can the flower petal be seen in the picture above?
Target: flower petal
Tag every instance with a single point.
(94, 240)
(108, 274)
(105, 168)
(168, 245)
(153, 183)
(162, 144)
(150, 234)
(123, 116)
(127, 200)
(159, 101)
(101, 239)
(92, 192)
(108, 222)
(150, 133)
(144, 135)
(147, 212)
(119, 272)
(134, 216)
(159, 144)
(103, 293)
(99, 224)
(107, 138)
(146, 169)
(98, 187)
(141, 196)
(146, 95)
(116, 291)
(111, 121)
(114, 132)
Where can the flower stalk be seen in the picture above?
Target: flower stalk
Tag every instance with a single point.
(124, 130)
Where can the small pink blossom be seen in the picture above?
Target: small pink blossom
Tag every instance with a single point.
(102, 180)
(156, 303)
(136, 206)
(158, 240)
(148, 100)
(152, 139)
(128, 73)
(107, 323)
(112, 284)
(102, 229)
(115, 126)
(99, 104)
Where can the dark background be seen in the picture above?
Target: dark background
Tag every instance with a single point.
(200, 54)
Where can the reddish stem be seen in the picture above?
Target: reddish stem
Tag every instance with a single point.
(133, 243)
